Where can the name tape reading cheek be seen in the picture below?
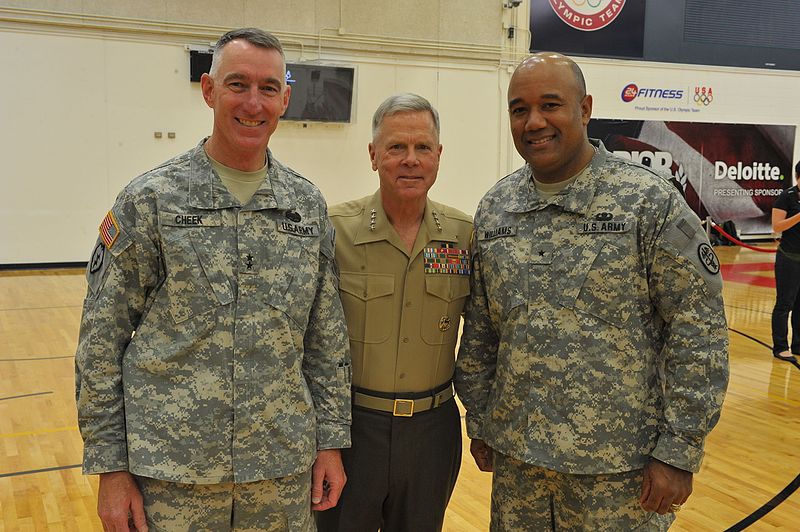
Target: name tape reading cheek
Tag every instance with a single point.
(188, 219)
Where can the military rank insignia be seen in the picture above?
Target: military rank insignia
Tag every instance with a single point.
(109, 230)
(446, 259)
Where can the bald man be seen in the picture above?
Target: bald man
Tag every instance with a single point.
(594, 357)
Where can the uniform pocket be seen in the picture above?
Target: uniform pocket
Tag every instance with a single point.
(611, 285)
(368, 300)
(505, 274)
(195, 282)
(441, 310)
(293, 293)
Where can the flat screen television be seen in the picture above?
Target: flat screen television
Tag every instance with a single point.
(199, 63)
(320, 93)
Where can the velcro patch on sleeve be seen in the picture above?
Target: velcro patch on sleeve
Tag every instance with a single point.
(109, 230)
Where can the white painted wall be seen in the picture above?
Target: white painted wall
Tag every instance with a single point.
(78, 112)
(79, 116)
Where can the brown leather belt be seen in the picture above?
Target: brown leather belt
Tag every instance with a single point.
(402, 407)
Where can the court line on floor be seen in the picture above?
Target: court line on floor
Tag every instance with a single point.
(25, 395)
(786, 492)
(35, 358)
(37, 432)
(795, 363)
(18, 309)
(766, 312)
(45, 470)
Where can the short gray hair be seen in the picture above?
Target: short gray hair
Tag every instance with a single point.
(254, 36)
(406, 102)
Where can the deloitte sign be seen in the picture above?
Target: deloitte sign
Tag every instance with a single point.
(753, 172)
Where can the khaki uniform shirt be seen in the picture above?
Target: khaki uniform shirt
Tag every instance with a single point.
(595, 336)
(403, 310)
(213, 346)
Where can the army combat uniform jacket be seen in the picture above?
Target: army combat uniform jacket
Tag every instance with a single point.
(403, 312)
(595, 336)
(213, 346)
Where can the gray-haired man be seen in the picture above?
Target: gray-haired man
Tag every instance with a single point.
(212, 366)
(404, 279)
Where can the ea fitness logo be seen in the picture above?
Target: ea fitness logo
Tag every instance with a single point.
(629, 92)
(587, 15)
(632, 91)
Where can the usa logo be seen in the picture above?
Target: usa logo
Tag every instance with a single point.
(587, 15)
(703, 96)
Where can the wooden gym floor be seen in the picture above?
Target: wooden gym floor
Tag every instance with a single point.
(752, 455)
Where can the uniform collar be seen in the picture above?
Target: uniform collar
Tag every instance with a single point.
(375, 226)
(576, 198)
(206, 190)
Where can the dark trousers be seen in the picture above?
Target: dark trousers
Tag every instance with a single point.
(400, 472)
(787, 287)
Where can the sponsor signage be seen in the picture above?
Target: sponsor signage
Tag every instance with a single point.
(598, 28)
(667, 98)
(587, 15)
(725, 171)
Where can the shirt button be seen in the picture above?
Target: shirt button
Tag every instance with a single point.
(405, 339)
(408, 303)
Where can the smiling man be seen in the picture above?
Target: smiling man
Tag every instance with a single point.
(594, 356)
(212, 371)
(404, 265)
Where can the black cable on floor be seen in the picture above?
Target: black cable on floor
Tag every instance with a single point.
(768, 507)
(785, 492)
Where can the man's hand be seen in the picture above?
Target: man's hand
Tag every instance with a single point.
(119, 503)
(664, 485)
(327, 479)
(483, 455)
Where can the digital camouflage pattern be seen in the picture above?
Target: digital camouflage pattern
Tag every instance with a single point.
(239, 368)
(595, 336)
(526, 497)
(275, 505)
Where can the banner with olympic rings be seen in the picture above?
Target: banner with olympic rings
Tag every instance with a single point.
(725, 171)
(604, 28)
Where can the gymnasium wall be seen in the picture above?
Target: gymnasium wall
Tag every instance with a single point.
(87, 84)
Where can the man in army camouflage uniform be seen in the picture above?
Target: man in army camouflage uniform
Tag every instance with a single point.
(404, 263)
(213, 367)
(594, 356)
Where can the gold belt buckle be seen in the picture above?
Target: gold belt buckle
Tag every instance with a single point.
(404, 404)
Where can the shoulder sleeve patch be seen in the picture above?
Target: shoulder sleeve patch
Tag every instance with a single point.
(109, 230)
(327, 243)
(687, 239)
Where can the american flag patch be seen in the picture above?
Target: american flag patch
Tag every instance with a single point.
(109, 230)
(446, 259)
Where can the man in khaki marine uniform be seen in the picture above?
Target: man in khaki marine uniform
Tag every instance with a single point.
(594, 356)
(212, 368)
(404, 267)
